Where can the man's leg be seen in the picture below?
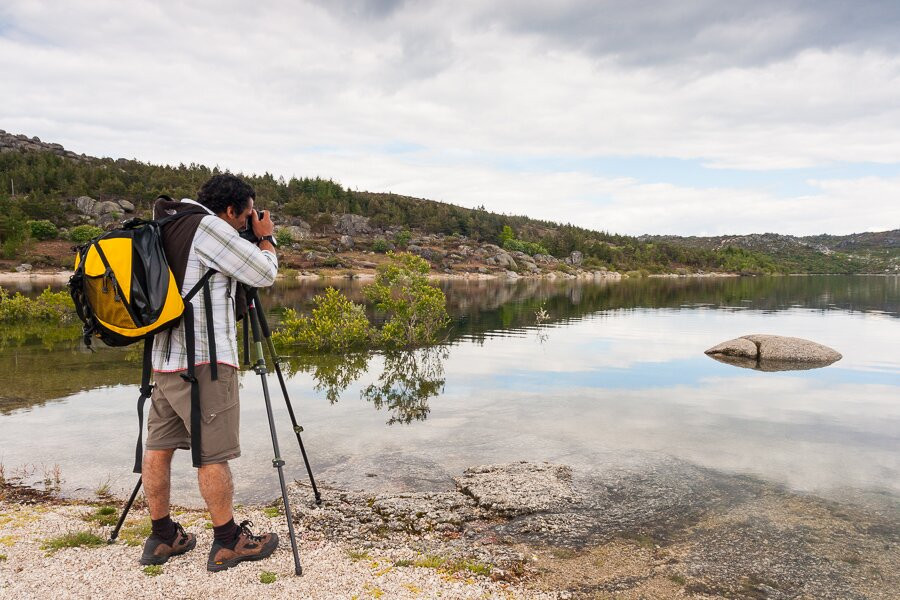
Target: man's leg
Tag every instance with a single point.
(168, 538)
(156, 475)
(217, 489)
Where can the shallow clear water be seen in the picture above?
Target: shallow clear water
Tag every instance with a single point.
(617, 376)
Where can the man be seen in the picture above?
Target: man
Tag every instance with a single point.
(207, 238)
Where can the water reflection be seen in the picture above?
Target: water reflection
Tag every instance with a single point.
(408, 379)
(615, 372)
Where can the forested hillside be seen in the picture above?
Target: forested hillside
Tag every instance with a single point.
(40, 182)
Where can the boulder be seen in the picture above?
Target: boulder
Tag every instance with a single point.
(346, 242)
(108, 220)
(430, 254)
(774, 353)
(84, 204)
(352, 225)
(126, 206)
(575, 258)
(297, 233)
(105, 208)
(502, 259)
(24, 268)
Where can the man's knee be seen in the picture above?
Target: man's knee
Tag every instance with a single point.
(154, 458)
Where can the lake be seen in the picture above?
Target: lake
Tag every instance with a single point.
(615, 376)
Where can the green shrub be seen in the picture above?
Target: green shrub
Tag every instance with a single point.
(381, 246)
(336, 324)
(284, 237)
(402, 238)
(416, 310)
(84, 233)
(56, 307)
(509, 242)
(593, 263)
(42, 230)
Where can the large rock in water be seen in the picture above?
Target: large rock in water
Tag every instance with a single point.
(774, 353)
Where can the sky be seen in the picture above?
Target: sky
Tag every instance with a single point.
(686, 117)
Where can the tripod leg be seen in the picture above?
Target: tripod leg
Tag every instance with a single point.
(115, 532)
(277, 462)
(290, 409)
(267, 334)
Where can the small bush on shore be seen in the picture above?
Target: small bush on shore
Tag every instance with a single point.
(284, 238)
(416, 311)
(336, 324)
(84, 233)
(42, 230)
(56, 307)
(402, 238)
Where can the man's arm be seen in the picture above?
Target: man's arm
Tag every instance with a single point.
(221, 248)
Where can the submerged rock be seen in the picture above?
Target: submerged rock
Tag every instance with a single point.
(773, 353)
(518, 488)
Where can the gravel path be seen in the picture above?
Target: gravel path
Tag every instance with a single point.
(330, 569)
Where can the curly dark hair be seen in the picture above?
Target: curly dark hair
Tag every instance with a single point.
(222, 191)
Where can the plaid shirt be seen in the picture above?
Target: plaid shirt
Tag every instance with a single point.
(216, 246)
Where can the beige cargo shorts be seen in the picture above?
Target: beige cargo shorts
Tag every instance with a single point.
(169, 423)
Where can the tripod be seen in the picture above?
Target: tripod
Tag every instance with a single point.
(260, 328)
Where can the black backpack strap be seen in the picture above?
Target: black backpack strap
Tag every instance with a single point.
(210, 332)
(146, 390)
(191, 376)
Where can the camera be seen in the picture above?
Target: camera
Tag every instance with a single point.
(247, 232)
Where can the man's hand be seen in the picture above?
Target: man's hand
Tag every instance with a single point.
(262, 227)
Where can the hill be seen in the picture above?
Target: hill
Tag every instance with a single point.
(60, 190)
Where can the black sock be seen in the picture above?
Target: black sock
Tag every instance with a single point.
(164, 528)
(227, 534)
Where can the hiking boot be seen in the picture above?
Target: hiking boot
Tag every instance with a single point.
(157, 551)
(248, 547)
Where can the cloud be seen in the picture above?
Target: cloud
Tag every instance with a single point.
(333, 89)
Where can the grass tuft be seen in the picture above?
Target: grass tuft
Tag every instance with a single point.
(271, 511)
(356, 555)
(105, 515)
(78, 539)
(267, 577)
(135, 533)
(153, 570)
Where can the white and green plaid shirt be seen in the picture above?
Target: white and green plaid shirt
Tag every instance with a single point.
(216, 246)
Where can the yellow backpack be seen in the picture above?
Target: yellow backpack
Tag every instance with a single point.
(125, 292)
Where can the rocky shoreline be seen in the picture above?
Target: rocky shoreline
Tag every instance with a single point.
(659, 529)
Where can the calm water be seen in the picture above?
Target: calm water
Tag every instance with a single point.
(615, 377)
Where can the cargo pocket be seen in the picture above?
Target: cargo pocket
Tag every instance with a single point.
(222, 395)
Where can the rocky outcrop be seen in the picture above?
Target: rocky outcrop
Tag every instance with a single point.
(10, 142)
(774, 353)
(352, 225)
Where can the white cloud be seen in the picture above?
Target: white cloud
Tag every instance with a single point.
(299, 89)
